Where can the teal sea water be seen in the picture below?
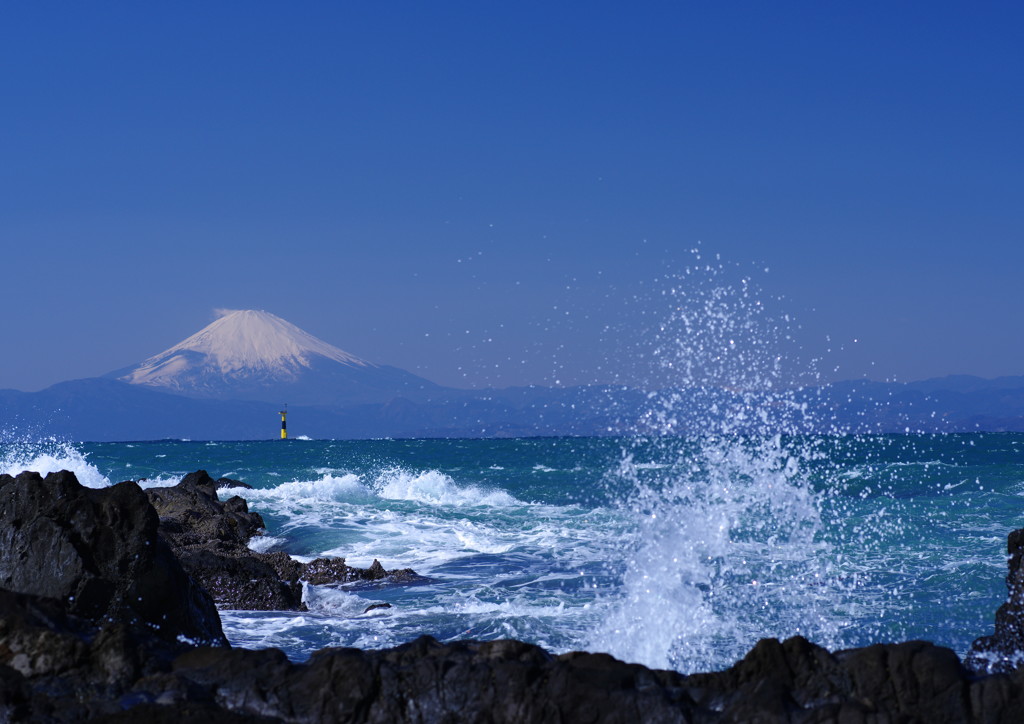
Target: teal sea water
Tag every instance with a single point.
(671, 552)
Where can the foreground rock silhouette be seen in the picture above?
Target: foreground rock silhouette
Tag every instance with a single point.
(99, 553)
(65, 661)
(1003, 651)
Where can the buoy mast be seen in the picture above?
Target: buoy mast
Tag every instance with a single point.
(284, 423)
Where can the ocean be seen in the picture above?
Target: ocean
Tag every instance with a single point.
(673, 552)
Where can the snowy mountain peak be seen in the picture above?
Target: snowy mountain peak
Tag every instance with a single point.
(240, 344)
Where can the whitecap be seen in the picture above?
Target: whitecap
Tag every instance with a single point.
(263, 543)
(161, 481)
(50, 457)
(329, 488)
(436, 488)
(333, 600)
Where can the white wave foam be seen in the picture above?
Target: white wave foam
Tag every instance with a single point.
(328, 599)
(329, 488)
(430, 487)
(712, 550)
(161, 481)
(263, 543)
(482, 541)
(331, 471)
(436, 488)
(51, 457)
(514, 607)
(417, 519)
(444, 540)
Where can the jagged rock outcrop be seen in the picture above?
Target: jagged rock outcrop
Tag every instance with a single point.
(321, 571)
(1003, 651)
(191, 513)
(211, 539)
(796, 680)
(58, 666)
(494, 681)
(98, 552)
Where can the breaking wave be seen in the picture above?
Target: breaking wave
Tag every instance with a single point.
(51, 456)
(724, 545)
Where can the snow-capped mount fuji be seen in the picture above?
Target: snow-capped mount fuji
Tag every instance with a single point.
(242, 343)
(255, 355)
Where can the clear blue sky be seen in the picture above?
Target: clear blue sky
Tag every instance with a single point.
(432, 185)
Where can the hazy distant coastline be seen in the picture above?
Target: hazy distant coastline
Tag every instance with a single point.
(100, 409)
(229, 380)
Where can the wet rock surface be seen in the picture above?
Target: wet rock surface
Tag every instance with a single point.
(1003, 651)
(191, 513)
(65, 661)
(99, 553)
(211, 539)
(495, 681)
(57, 666)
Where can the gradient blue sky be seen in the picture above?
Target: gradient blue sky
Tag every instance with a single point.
(433, 185)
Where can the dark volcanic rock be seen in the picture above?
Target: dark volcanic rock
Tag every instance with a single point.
(376, 571)
(56, 666)
(192, 514)
(231, 483)
(324, 571)
(425, 681)
(211, 539)
(797, 681)
(98, 552)
(1003, 651)
(511, 681)
(242, 580)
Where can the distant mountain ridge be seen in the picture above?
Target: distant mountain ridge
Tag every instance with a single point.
(228, 381)
(101, 409)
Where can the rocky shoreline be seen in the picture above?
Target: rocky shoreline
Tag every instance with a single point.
(108, 613)
(211, 539)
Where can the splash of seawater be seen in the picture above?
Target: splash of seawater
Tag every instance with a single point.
(50, 456)
(725, 547)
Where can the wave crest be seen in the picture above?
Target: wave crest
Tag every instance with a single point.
(435, 488)
(51, 456)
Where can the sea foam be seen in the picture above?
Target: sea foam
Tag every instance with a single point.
(436, 488)
(51, 456)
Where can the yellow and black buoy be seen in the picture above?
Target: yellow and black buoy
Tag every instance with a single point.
(284, 423)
